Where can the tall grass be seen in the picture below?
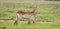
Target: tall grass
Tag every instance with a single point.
(48, 16)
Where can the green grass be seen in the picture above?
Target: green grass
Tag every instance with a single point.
(38, 25)
(48, 16)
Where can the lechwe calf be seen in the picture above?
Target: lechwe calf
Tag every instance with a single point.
(27, 15)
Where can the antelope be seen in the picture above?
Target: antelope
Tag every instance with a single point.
(27, 15)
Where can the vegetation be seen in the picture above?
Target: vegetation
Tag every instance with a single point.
(48, 16)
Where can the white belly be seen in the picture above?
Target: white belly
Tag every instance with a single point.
(26, 16)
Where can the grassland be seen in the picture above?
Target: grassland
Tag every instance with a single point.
(48, 16)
